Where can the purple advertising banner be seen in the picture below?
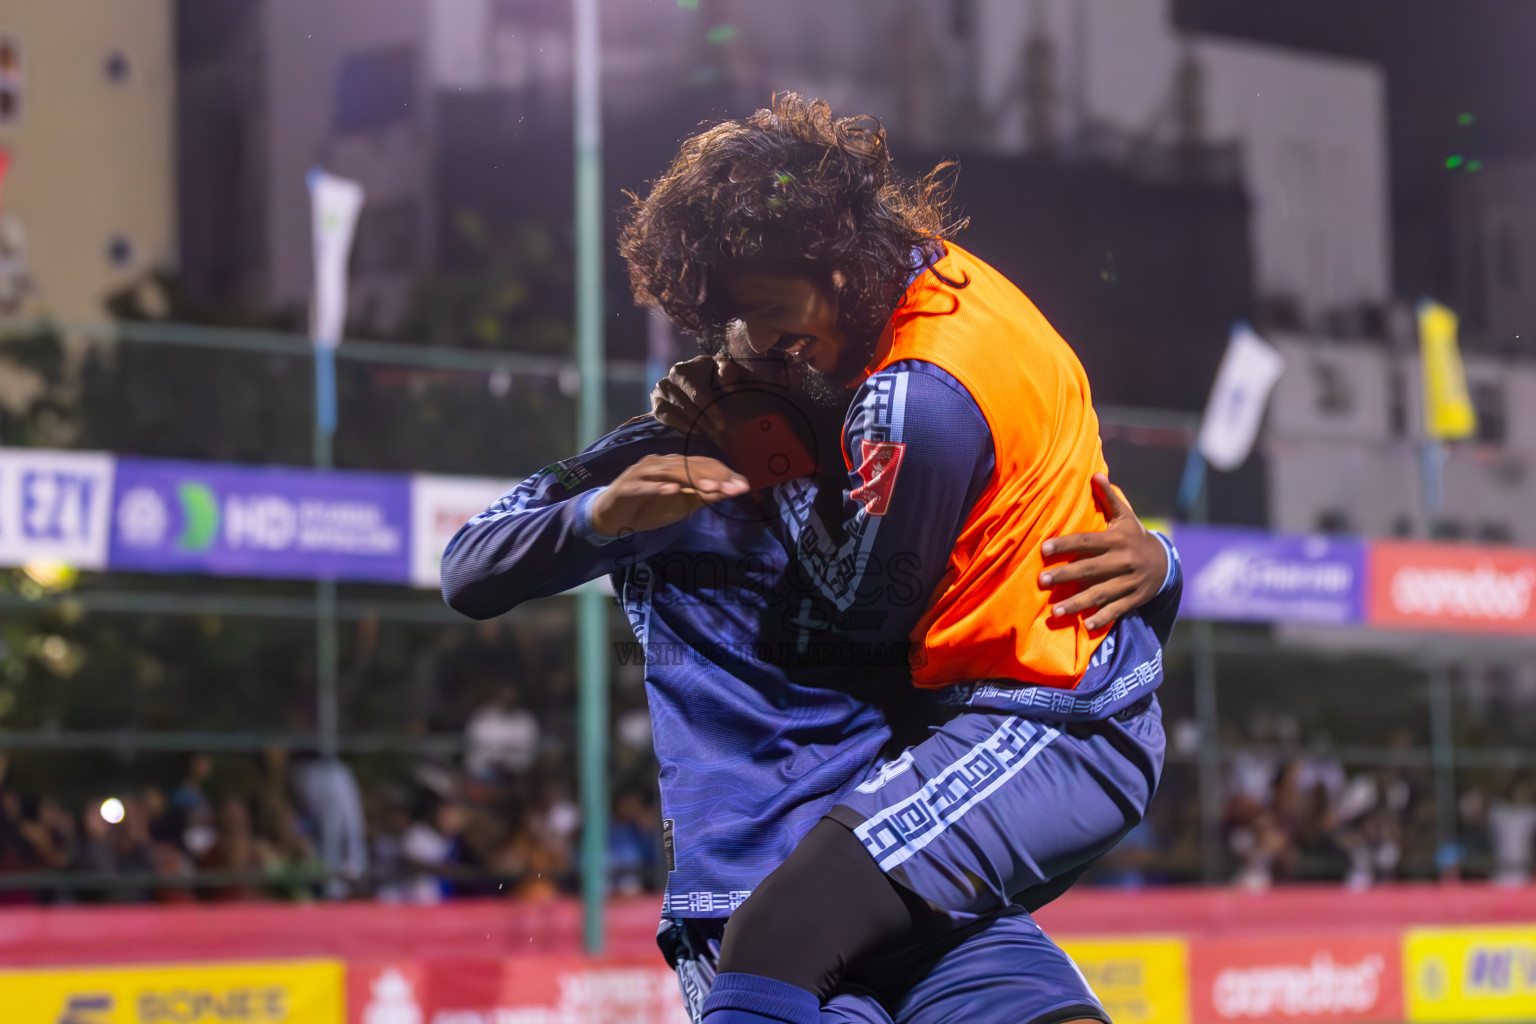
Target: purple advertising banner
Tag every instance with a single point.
(1252, 575)
(222, 520)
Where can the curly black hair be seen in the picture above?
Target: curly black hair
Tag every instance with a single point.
(791, 190)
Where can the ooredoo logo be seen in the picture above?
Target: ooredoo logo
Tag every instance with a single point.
(1276, 979)
(1480, 593)
(1454, 588)
(1322, 988)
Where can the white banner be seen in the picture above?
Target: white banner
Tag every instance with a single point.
(55, 507)
(1247, 375)
(334, 206)
(439, 506)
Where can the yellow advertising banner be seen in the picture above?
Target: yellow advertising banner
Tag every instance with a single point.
(262, 992)
(1142, 981)
(1470, 974)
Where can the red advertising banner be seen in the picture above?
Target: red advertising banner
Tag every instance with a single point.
(1458, 588)
(1348, 977)
(533, 989)
(367, 932)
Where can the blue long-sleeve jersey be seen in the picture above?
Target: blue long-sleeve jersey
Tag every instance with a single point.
(772, 691)
(750, 759)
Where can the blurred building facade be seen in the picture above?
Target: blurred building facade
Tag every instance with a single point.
(87, 120)
(1494, 239)
(1147, 186)
(275, 88)
(1344, 456)
(1114, 79)
(362, 88)
(1311, 130)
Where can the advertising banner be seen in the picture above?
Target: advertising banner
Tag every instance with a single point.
(1470, 974)
(1143, 981)
(1252, 575)
(1456, 588)
(272, 992)
(439, 506)
(221, 520)
(54, 507)
(1296, 978)
(570, 990)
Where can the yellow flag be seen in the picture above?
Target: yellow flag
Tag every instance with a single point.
(1448, 412)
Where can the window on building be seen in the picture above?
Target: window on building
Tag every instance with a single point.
(1332, 393)
(119, 251)
(1334, 521)
(388, 237)
(1477, 283)
(1506, 258)
(1509, 471)
(12, 78)
(1448, 529)
(962, 18)
(1492, 412)
(1495, 532)
(116, 67)
(1397, 402)
(375, 89)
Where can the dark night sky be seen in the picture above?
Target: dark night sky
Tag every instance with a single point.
(1443, 58)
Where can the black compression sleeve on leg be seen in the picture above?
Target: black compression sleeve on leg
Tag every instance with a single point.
(826, 906)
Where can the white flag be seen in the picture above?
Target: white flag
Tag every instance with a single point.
(334, 205)
(1236, 407)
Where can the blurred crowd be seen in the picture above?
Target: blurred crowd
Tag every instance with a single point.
(1306, 817)
(1288, 814)
(497, 817)
(307, 828)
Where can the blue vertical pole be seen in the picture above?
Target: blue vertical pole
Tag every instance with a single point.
(325, 404)
(1191, 484)
(591, 610)
(1432, 458)
(327, 658)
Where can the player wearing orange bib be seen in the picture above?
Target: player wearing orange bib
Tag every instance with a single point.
(969, 439)
(989, 619)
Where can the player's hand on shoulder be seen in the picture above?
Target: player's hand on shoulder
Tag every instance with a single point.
(1114, 571)
(660, 490)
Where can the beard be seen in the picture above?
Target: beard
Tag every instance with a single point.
(820, 394)
(831, 390)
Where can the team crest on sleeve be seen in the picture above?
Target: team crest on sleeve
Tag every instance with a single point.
(879, 463)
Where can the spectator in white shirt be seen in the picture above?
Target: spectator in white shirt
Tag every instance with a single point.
(502, 737)
(1511, 829)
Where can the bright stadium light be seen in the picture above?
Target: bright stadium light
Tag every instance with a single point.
(49, 575)
(112, 810)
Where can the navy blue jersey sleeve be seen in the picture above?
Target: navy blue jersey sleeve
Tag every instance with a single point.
(1163, 610)
(922, 454)
(537, 539)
